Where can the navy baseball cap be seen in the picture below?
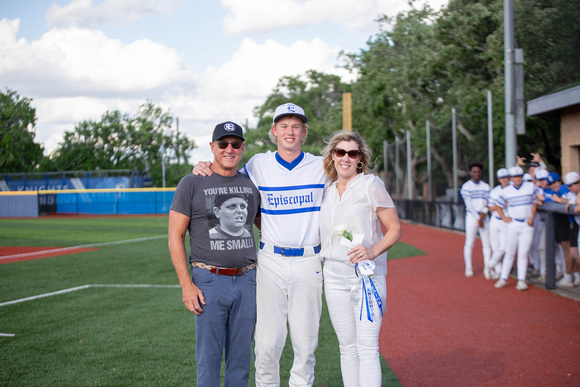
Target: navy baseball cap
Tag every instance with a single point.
(553, 177)
(227, 128)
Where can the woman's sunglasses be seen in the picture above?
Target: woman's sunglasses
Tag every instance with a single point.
(353, 154)
(234, 144)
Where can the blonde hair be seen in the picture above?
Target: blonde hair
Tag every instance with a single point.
(346, 135)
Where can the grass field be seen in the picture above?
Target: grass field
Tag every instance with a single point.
(122, 323)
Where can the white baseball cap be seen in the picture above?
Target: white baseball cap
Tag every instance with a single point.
(502, 172)
(289, 109)
(541, 174)
(516, 171)
(571, 178)
(528, 177)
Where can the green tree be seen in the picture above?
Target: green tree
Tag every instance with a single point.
(18, 151)
(119, 141)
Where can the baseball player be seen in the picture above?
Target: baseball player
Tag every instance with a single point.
(289, 270)
(475, 194)
(497, 227)
(571, 276)
(520, 197)
(538, 250)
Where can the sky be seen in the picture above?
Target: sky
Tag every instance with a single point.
(205, 62)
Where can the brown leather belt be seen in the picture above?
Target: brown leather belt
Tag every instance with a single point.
(224, 270)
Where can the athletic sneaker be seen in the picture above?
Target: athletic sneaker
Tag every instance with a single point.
(468, 273)
(576, 279)
(500, 284)
(522, 285)
(486, 273)
(541, 279)
(564, 283)
(495, 276)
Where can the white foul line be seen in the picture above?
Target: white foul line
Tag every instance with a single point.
(63, 249)
(85, 287)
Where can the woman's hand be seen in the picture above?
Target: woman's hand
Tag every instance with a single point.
(361, 253)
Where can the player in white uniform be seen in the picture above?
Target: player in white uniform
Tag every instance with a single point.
(520, 198)
(289, 269)
(538, 249)
(475, 194)
(571, 275)
(497, 227)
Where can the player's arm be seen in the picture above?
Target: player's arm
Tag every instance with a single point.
(202, 168)
(192, 296)
(502, 215)
(390, 221)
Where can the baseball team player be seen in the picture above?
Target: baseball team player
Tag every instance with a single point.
(538, 250)
(520, 198)
(289, 269)
(497, 227)
(475, 194)
(571, 275)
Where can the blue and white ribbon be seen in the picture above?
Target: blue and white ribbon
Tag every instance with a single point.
(369, 292)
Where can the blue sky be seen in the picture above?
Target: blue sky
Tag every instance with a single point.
(205, 61)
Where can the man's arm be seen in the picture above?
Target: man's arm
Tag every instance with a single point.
(192, 296)
(202, 168)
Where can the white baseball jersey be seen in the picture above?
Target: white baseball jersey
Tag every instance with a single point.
(493, 201)
(519, 200)
(475, 196)
(571, 197)
(291, 196)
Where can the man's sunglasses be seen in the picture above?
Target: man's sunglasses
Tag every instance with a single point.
(234, 144)
(353, 154)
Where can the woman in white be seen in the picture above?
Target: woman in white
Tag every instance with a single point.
(352, 211)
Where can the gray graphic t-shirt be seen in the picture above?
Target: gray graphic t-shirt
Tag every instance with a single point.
(221, 211)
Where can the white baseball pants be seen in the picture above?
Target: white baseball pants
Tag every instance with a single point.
(538, 249)
(497, 240)
(519, 239)
(288, 290)
(471, 230)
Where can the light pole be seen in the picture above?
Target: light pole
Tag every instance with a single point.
(162, 151)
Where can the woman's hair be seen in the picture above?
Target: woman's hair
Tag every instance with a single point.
(346, 135)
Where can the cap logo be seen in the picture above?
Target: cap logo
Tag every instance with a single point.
(292, 108)
(228, 126)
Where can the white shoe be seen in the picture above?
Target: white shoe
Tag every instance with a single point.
(576, 279)
(495, 276)
(486, 273)
(468, 273)
(564, 283)
(522, 285)
(541, 279)
(500, 284)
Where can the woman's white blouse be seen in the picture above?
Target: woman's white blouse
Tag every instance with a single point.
(363, 194)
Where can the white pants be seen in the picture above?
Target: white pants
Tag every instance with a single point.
(358, 338)
(471, 230)
(519, 239)
(538, 249)
(288, 290)
(497, 240)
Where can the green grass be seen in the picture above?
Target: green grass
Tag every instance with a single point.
(112, 335)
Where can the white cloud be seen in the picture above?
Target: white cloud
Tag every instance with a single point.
(121, 13)
(70, 62)
(266, 15)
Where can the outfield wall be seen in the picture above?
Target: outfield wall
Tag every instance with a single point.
(87, 202)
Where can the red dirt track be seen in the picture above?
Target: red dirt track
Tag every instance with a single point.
(444, 329)
(10, 254)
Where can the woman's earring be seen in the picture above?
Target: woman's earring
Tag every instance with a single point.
(359, 165)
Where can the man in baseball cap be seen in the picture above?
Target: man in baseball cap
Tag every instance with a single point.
(497, 227)
(572, 276)
(227, 128)
(538, 250)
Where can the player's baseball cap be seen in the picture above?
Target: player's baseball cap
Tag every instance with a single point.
(571, 178)
(227, 128)
(528, 177)
(289, 109)
(553, 177)
(502, 172)
(516, 171)
(542, 174)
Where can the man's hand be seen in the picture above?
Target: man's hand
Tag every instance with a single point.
(203, 168)
(521, 161)
(193, 299)
(536, 158)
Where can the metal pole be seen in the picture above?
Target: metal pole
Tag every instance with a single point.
(490, 138)
(511, 144)
(454, 142)
(385, 159)
(162, 151)
(396, 166)
(428, 130)
(409, 176)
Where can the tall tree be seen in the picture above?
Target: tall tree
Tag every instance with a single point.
(119, 141)
(18, 151)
